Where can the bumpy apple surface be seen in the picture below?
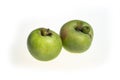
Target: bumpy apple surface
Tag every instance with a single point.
(76, 36)
(44, 44)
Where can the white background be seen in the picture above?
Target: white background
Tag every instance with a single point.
(19, 17)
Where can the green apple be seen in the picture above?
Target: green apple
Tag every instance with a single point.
(76, 36)
(44, 44)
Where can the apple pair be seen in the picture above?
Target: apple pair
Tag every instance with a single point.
(75, 36)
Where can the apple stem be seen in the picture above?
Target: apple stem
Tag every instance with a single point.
(45, 32)
(84, 29)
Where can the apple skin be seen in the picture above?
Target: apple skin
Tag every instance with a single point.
(77, 36)
(44, 44)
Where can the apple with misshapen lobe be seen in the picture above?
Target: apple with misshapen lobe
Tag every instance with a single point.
(77, 36)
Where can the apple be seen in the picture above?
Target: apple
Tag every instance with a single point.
(76, 35)
(44, 44)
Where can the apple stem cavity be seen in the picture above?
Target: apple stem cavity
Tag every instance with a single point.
(84, 29)
(45, 32)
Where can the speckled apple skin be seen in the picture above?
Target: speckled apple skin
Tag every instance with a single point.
(44, 48)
